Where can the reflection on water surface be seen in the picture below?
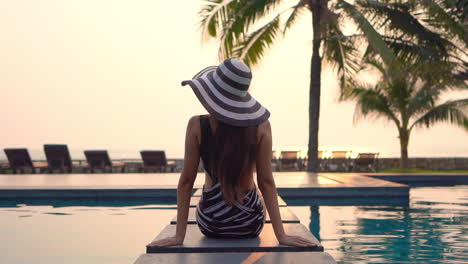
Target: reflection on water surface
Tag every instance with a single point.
(431, 228)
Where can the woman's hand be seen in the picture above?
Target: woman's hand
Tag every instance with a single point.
(166, 242)
(296, 241)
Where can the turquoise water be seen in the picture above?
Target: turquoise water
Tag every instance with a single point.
(432, 229)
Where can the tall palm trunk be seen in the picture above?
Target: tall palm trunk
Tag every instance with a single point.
(404, 140)
(314, 93)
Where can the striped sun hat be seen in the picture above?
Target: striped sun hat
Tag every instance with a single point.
(222, 90)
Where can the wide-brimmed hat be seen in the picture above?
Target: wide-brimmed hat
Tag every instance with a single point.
(223, 91)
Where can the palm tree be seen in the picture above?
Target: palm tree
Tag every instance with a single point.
(236, 25)
(429, 40)
(409, 100)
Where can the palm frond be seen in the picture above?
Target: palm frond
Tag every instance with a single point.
(399, 91)
(458, 8)
(411, 52)
(438, 17)
(432, 83)
(253, 47)
(461, 74)
(296, 12)
(230, 20)
(454, 112)
(442, 76)
(371, 101)
(398, 18)
(212, 15)
(372, 62)
(374, 38)
(395, 83)
(340, 51)
(422, 100)
(250, 11)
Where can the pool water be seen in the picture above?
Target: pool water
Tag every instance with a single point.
(433, 229)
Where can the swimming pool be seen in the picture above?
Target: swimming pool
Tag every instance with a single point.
(432, 229)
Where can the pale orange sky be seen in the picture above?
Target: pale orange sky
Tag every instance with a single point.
(106, 75)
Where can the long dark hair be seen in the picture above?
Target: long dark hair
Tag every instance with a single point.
(235, 158)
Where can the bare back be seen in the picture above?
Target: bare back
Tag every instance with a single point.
(247, 182)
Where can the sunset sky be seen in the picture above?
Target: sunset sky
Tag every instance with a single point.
(106, 75)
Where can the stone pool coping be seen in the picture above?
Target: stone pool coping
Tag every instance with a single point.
(422, 178)
(289, 185)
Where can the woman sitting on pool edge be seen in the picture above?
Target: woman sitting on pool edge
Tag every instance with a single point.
(233, 140)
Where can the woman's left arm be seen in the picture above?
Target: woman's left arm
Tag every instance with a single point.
(185, 186)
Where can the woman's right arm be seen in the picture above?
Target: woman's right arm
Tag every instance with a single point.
(267, 186)
(185, 186)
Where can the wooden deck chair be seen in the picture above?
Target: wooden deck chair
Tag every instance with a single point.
(289, 160)
(153, 161)
(99, 160)
(58, 158)
(365, 162)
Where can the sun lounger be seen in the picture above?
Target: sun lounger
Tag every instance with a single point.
(154, 161)
(365, 162)
(4, 166)
(20, 161)
(339, 161)
(99, 160)
(289, 160)
(58, 158)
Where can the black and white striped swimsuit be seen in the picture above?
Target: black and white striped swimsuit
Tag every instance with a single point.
(214, 216)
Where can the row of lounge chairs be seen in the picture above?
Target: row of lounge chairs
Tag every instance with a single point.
(59, 160)
(337, 161)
